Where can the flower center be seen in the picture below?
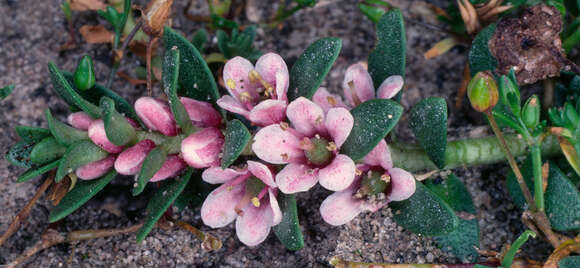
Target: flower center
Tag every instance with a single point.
(374, 183)
(268, 88)
(255, 191)
(318, 151)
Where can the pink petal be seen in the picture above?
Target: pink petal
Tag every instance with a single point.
(339, 174)
(305, 116)
(390, 87)
(282, 83)
(277, 146)
(217, 175)
(268, 112)
(171, 167)
(402, 184)
(98, 135)
(236, 77)
(262, 172)
(129, 161)
(218, 208)
(133, 123)
(340, 207)
(273, 69)
(379, 156)
(80, 120)
(95, 169)
(326, 100)
(201, 113)
(201, 149)
(276, 212)
(253, 226)
(362, 82)
(295, 178)
(156, 115)
(339, 123)
(231, 104)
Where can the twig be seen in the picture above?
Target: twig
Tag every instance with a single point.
(119, 53)
(23, 214)
(149, 52)
(562, 251)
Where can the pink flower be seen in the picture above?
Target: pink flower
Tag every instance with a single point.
(259, 93)
(358, 88)
(247, 196)
(156, 115)
(202, 148)
(130, 160)
(80, 120)
(376, 184)
(172, 165)
(99, 137)
(95, 169)
(202, 114)
(310, 147)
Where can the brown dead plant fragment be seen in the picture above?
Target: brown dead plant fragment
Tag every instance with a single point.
(156, 15)
(87, 5)
(96, 34)
(531, 45)
(562, 251)
(477, 17)
(545, 173)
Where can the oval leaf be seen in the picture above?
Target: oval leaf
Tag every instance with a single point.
(372, 122)
(80, 194)
(19, 154)
(64, 133)
(152, 163)
(6, 91)
(32, 134)
(47, 150)
(77, 155)
(170, 80)
(428, 121)
(64, 89)
(35, 172)
(237, 137)
(569, 262)
(117, 128)
(288, 230)
(388, 57)
(312, 67)
(480, 58)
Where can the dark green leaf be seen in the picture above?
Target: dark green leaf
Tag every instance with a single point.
(569, 262)
(19, 154)
(161, 201)
(194, 194)
(79, 195)
(195, 77)
(69, 95)
(480, 58)
(77, 155)
(152, 163)
(462, 241)
(32, 134)
(200, 39)
(372, 12)
(428, 120)
(312, 66)
(237, 137)
(119, 131)
(372, 122)
(64, 133)
(388, 57)
(170, 80)
(84, 76)
(288, 231)
(47, 150)
(453, 192)
(5, 91)
(424, 213)
(35, 172)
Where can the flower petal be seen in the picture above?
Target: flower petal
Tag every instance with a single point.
(98, 135)
(156, 115)
(276, 212)
(95, 169)
(379, 156)
(362, 83)
(202, 148)
(305, 116)
(217, 175)
(201, 113)
(282, 83)
(339, 123)
(390, 87)
(231, 104)
(80, 120)
(340, 207)
(277, 146)
(273, 69)
(294, 178)
(254, 225)
(402, 184)
(172, 165)
(218, 208)
(268, 112)
(262, 172)
(129, 161)
(326, 100)
(236, 77)
(339, 174)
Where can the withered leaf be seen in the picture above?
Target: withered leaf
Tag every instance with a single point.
(96, 34)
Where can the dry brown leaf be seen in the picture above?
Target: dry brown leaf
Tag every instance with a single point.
(96, 34)
(85, 5)
(441, 47)
(158, 11)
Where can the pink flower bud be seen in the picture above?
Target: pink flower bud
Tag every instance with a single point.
(201, 149)
(95, 169)
(170, 168)
(156, 115)
(129, 161)
(133, 123)
(202, 114)
(80, 120)
(99, 137)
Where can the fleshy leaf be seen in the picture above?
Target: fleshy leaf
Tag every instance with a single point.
(77, 155)
(569, 262)
(453, 192)
(428, 120)
(84, 76)
(64, 89)
(152, 163)
(424, 213)
(194, 194)
(195, 77)
(79, 195)
(5, 91)
(19, 154)
(237, 138)
(47, 150)
(372, 122)
(35, 172)
(288, 230)
(200, 39)
(480, 58)
(32, 134)
(170, 79)
(161, 201)
(64, 133)
(312, 67)
(119, 131)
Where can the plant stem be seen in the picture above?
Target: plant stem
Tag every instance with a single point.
(118, 54)
(209, 242)
(537, 171)
(149, 52)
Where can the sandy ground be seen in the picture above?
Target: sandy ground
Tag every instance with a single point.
(31, 33)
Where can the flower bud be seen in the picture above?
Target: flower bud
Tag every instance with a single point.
(84, 76)
(95, 169)
(531, 112)
(129, 161)
(156, 115)
(80, 120)
(156, 15)
(482, 92)
(170, 168)
(99, 137)
(202, 114)
(201, 149)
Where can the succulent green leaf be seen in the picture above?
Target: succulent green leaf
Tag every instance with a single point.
(480, 58)
(84, 75)
(312, 67)
(388, 57)
(161, 201)
(5, 91)
(32, 134)
(152, 163)
(453, 192)
(35, 172)
(200, 39)
(372, 122)
(237, 137)
(64, 133)
(170, 82)
(19, 154)
(288, 231)
(569, 262)
(428, 120)
(64, 89)
(47, 150)
(372, 12)
(77, 155)
(424, 213)
(195, 77)
(119, 131)
(79, 195)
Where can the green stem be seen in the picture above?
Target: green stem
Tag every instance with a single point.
(537, 171)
